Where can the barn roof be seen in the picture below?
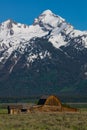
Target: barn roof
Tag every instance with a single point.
(42, 100)
(49, 100)
(15, 106)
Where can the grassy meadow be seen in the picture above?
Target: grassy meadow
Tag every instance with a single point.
(44, 121)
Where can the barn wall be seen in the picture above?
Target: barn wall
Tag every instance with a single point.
(48, 108)
(68, 109)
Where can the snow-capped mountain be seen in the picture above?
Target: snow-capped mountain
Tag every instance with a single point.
(15, 35)
(49, 47)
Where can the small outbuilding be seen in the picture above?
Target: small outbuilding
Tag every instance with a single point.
(14, 109)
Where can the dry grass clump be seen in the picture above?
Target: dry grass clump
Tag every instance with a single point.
(44, 121)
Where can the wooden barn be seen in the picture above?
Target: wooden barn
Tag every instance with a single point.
(45, 104)
(52, 103)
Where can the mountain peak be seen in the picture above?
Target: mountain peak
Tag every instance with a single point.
(47, 12)
(48, 20)
(9, 21)
(8, 24)
(50, 13)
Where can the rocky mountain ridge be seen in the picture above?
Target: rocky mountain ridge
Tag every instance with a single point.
(48, 56)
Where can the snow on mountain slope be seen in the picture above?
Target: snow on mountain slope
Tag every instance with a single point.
(15, 36)
(59, 29)
(48, 20)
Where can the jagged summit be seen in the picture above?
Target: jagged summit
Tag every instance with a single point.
(48, 20)
(8, 23)
(47, 12)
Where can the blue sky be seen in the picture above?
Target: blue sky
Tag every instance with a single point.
(24, 11)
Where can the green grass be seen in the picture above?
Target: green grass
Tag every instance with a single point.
(44, 121)
(3, 111)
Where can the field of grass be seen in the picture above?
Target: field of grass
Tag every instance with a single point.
(44, 121)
